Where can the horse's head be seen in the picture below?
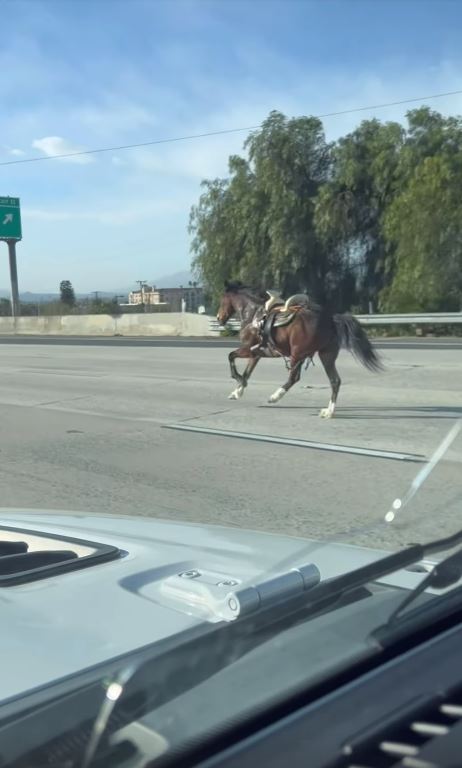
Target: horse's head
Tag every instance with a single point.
(229, 303)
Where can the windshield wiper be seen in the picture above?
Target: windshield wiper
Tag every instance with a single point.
(443, 575)
(387, 565)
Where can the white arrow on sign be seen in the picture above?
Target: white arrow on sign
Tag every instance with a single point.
(8, 218)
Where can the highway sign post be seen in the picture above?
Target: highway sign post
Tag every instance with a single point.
(10, 231)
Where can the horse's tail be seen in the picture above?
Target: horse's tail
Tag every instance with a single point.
(352, 336)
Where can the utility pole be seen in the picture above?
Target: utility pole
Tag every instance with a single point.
(142, 284)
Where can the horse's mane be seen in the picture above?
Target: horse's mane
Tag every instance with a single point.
(254, 294)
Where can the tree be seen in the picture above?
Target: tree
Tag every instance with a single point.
(290, 160)
(214, 244)
(67, 293)
(423, 221)
(257, 225)
(429, 134)
(351, 206)
(374, 218)
(425, 224)
(5, 307)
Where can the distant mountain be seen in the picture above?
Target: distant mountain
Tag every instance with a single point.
(31, 298)
(173, 281)
(38, 298)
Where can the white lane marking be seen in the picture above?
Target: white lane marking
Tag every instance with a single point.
(300, 443)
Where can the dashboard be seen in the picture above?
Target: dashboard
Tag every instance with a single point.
(406, 712)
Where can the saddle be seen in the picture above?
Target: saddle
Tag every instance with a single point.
(278, 314)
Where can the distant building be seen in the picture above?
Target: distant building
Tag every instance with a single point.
(148, 295)
(190, 297)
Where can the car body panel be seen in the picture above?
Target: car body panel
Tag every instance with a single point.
(60, 625)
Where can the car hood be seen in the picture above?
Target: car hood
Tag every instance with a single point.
(57, 626)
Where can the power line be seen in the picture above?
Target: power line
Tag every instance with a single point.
(220, 133)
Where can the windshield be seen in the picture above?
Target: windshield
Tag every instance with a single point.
(230, 342)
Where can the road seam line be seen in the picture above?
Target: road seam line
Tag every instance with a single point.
(299, 443)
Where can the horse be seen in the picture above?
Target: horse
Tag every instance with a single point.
(298, 330)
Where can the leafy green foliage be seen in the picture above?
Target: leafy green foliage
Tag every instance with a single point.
(257, 225)
(351, 207)
(66, 292)
(373, 219)
(425, 224)
(103, 307)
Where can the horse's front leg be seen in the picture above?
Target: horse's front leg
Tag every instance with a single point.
(232, 365)
(294, 376)
(242, 352)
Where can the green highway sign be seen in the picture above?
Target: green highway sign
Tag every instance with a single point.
(10, 219)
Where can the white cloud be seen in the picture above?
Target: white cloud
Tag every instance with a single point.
(118, 161)
(52, 146)
(14, 152)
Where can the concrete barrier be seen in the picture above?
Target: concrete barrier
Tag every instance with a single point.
(158, 324)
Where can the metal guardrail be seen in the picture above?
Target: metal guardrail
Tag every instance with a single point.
(233, 325)
(432, 318)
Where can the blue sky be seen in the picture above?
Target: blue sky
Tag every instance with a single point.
(97, 73)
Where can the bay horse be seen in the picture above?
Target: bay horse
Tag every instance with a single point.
(312, 329)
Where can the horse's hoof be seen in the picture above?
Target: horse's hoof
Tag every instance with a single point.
(277, 395)
(327, 413)
(236, 394)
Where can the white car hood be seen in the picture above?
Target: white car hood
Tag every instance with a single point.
(59, 625)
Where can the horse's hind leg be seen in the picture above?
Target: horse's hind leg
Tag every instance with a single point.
(294, 376)
(328, 357)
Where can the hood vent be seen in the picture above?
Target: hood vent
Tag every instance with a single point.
(27, 555)
(430, 739)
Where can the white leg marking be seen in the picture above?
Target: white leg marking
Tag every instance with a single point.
(237, 393)
(280, 392)
(327, 413)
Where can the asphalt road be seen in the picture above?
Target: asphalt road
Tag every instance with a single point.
(115, 428)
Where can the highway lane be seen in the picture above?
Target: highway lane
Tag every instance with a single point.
(89, 428)
(206, 342)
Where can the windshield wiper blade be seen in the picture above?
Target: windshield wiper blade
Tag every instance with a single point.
(383, 567)
(443, 575)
